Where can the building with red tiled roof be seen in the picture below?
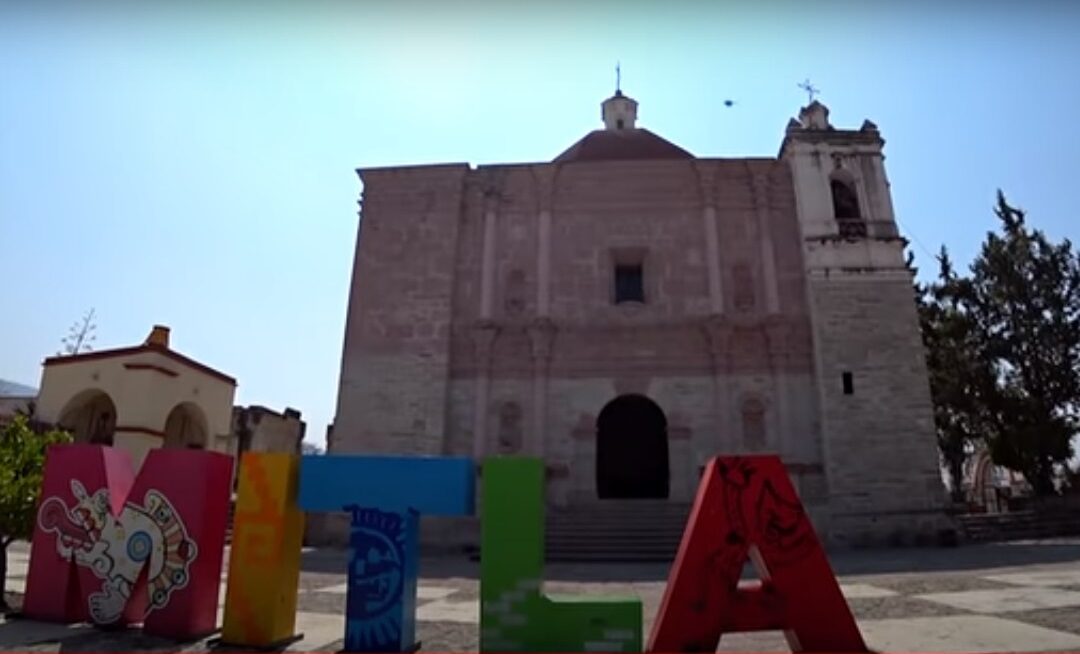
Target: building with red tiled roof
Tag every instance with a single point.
(138, 398)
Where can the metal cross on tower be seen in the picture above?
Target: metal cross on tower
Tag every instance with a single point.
(810, 89)
(618, 78)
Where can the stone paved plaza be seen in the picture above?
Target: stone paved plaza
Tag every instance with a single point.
(1020, 596)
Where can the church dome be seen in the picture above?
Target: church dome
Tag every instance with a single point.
(621, 139)
(622, 144)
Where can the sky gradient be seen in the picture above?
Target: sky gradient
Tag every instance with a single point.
(193, 164)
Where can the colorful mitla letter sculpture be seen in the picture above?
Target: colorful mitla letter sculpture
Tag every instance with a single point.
(264, 564)
(385, 496)
(113, 548)
(515, 616)
(746, 508)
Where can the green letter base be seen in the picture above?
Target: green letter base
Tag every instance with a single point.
(515, 616)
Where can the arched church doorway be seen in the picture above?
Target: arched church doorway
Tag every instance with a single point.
(632, 450)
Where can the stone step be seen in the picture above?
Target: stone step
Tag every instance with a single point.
(652, 525)
(1020, 525)
(623, 531)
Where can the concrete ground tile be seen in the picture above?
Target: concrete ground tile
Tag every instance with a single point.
(1046, 578)
(434, 592)
(963, 633)
(1021, 598)
(880, 608)
(337, 589)
(924, 584)
(1062, 619)
(448, 637)
(446, 611)
(865, 591)
(319, 630)
(761, 641)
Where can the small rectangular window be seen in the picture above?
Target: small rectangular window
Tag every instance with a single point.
(849, 383)
(629, 283)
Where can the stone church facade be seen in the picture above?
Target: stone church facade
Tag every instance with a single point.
(628, 310)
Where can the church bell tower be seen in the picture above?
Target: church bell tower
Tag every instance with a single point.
(877, 426)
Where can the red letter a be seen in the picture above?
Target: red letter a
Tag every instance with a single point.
(746, 508)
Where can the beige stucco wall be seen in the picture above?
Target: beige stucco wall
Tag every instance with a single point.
(143, 396)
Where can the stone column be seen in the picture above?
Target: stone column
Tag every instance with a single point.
(706, 179)
(541, 336)
(718, 336)
(545, 180)
(542, 331)
(487, 270)
(484, 333)
(765, 240)
(778, 340)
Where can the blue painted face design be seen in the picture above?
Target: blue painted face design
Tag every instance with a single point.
(376, 579)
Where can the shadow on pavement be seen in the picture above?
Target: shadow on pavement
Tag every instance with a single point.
(982, 556)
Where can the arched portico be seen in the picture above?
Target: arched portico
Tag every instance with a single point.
(90, 416)
(186, 427)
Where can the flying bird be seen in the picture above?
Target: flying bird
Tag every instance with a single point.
(729, 103)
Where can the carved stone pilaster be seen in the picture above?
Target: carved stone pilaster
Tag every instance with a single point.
(706, 171)
(545, 186)
(491, 200)
(718, 333)
(768, 254)
(761, 191)
(484, 333)
(541, 339)
(777, 334)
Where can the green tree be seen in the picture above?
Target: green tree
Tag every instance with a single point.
(1023, 297)
(962, 381)
(22, 463)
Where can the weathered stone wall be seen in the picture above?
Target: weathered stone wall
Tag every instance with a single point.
(395, 363)
(880, 451)
(663, 348)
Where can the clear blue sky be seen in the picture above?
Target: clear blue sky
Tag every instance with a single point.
(192, 164)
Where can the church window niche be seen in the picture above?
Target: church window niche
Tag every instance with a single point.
(515, 293)
(629, 283)
(743, 281)
(510, 432)
(846, 208)
(848, 382)
(753, 424)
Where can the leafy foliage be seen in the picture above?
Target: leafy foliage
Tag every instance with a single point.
(1025, 298)
(1003, 350)
(961, 381)
(307, 448)
(22, 463)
